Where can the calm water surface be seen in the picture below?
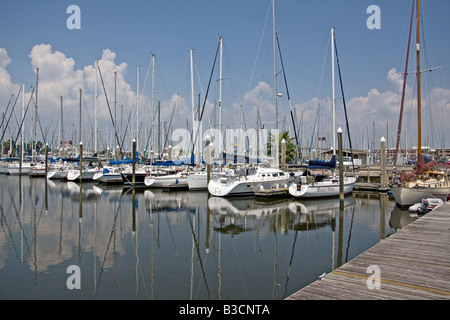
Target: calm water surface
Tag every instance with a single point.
(154, 244)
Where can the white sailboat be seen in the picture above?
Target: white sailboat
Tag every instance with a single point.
(247, 181)
(198, 180)
(313, 186)
(87, 174)
(14, 168)
(328, 187)
(38, 170)
(161, 181)
(109, 175)
(424, 181)
(58, 171)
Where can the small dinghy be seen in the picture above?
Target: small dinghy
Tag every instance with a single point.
(425, 205)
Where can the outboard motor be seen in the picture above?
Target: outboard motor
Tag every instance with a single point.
(423, 207)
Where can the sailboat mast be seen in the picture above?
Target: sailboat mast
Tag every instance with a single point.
(35, 117)
(79, 121)
(399, 128)
(115, 102)
(333, 91)
(153, 102)
(275, 64)
(220, 85)
(419, 112)
(137, 109)
(22, 129)
(192, 92)
(96, 109)
(61, 123)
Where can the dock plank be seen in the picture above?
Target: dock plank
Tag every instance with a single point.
(414, 263)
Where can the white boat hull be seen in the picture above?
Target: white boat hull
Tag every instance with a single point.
(37, 172)
(242, 187)
(161, 181)
(197, 181)
(327, 188)
(57, 174)
(87, 175)
(408, 196)
(14, 170)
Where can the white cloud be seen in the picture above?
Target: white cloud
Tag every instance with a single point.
(4, 59)
(7, 88)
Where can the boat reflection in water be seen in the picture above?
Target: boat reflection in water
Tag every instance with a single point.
(297, 215)
(136, 243)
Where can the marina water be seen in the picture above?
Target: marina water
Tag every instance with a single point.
(152, 244)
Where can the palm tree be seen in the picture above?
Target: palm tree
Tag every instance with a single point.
(290, 146)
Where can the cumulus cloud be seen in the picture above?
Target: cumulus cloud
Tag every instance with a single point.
(4, 59)
(7, 88)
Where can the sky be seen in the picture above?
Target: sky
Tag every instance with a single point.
(124, 35)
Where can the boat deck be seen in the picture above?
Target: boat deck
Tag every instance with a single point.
(413, 263)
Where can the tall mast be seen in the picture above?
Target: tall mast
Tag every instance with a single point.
(419, 133)
(192, 87)
(115, 102)
(35, 116)
(275, 64)
(137, 109)
(79, 122)
(153, 101)
(192, 96)
(61, 124)
(333, 92)
(23, 115)
(220, 85)
(399, 128)
(95, 110)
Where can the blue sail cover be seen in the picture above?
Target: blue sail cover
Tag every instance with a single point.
(320, 164)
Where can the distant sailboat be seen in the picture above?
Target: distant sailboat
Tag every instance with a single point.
(424, 181)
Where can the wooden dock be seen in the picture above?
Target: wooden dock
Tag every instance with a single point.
(413, 264)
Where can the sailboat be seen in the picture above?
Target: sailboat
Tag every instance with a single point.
(424, 181)
(319, 184)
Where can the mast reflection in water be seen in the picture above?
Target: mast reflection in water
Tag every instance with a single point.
(153, 244)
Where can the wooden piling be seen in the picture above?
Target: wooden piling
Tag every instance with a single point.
(341, 165)
(383, 162)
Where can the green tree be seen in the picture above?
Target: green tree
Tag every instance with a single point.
(290, 146)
